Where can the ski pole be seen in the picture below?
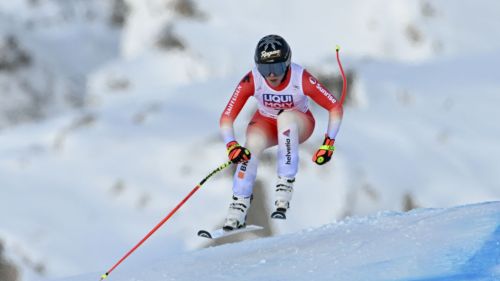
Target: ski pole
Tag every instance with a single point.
(344, 81)
(220, 168)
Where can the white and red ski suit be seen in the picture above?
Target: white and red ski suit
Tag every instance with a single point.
(283, 118)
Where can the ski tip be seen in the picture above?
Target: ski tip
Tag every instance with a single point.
(278, 215)
(205, 234)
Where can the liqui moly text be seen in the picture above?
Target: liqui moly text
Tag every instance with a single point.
(278, 101)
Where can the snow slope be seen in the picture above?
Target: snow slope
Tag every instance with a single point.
(63, 42)
(461, 243)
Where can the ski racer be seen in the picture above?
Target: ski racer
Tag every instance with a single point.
(282, 90)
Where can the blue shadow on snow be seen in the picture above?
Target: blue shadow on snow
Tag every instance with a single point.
(479, 267)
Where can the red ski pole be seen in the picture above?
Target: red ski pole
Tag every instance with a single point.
(344, 80)
(220, 168)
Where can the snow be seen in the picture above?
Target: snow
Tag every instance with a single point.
(64, 42)
(460, 243)
(82, 187)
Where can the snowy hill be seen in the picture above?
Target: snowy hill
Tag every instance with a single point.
(47, 50)
(419, 130)
(458, 244)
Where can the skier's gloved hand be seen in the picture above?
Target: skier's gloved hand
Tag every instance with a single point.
(325, 152)
(237, 153)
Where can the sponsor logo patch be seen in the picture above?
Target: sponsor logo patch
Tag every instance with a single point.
(322, 90)
(278, 101)
(312, 81)
(268, 55)
(243, 169)
(232, 101)
(288, 144)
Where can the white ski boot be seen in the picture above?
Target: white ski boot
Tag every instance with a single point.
(237, 213)
(284, 192)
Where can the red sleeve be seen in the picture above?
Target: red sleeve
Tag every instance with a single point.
(243, 91)
(314, 89)
(317, 92)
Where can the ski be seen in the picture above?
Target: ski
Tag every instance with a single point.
(219, 233)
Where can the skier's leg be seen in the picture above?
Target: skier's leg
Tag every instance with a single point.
(294, 127)
(261, 134)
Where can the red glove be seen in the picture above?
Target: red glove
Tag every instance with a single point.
(325, 152)
(237, 153)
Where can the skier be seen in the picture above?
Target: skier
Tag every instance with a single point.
(283, 118)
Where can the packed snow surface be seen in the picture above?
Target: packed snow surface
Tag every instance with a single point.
(460, 243)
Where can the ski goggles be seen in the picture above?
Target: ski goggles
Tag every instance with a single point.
(278, 68)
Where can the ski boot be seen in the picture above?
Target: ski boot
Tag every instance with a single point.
(237, 213)
(284, 191)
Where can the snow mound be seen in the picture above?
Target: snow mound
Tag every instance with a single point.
(460, 243)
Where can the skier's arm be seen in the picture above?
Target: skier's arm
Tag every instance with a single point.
(319, 94)
(243, 91)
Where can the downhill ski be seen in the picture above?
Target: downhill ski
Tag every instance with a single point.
(219, 233)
